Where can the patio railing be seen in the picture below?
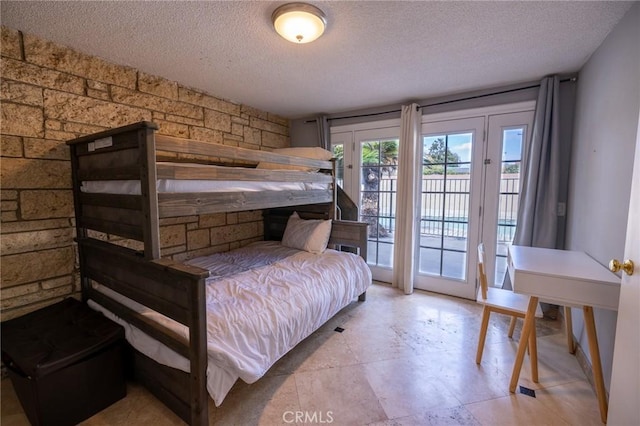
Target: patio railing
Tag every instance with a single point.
(443, 214)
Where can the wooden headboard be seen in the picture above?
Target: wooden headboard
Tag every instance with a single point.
(346, 235)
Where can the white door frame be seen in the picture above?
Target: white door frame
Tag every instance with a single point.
(354, 134)
(459, 287)
(469, 292)
(346, 140)
(347, 134)
(492, 175)
(625, 376)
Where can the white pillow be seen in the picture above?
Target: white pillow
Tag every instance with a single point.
(311, 235)
(315, 153)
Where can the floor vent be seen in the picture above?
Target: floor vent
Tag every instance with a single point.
(527, 391)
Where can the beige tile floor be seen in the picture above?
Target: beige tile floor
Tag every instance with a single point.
(401, 360)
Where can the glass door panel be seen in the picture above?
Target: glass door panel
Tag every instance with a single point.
(341, 146)
(507, 138)
(446, 166)
(378, 186)
(508, 196)
(369, 154)
(338, 154)
(449, 195)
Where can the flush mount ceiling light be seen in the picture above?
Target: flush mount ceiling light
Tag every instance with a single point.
(299, 22)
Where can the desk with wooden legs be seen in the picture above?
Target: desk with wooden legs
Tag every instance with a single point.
(568, 278)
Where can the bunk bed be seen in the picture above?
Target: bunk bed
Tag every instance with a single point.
(126, 179)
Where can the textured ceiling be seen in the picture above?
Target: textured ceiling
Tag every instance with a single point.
(372, 53)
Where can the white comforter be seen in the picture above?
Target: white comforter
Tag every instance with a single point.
(261, 301)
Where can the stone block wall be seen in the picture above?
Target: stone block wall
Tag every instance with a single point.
(50, 94)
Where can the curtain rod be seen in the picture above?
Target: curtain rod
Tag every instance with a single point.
(533, 86)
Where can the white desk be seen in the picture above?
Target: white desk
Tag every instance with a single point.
(568, 278)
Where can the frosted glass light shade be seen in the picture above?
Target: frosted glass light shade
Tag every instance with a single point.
(299, 22)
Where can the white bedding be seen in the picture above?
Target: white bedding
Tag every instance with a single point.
(132, 187)
(257, 315)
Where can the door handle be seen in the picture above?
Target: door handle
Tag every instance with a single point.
(627, 266)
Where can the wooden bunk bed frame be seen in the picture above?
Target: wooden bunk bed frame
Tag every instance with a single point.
(173, 289)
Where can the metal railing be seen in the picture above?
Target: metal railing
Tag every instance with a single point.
(444, 206)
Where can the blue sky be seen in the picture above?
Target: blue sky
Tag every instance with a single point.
(512, 144)
(461, 144)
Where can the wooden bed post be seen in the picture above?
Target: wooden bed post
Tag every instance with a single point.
(198, 357)
(149, 192)
(81, 232)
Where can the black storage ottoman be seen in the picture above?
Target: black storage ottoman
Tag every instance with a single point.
(65, 362)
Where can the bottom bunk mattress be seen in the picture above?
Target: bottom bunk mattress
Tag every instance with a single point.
(261, 301)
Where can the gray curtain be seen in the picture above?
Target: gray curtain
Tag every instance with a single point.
(324, 133)
(541, 175)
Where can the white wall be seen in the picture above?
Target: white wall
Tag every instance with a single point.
(606, 120)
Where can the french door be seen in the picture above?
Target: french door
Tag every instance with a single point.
(469, 186)
(367, 171)
(450, 196)
(503, 160)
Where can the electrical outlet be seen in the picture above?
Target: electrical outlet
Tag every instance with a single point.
(562, 209)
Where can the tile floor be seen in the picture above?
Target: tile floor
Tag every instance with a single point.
(401, 360)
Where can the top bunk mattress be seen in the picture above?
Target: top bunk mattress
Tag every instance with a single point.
(132, 187)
